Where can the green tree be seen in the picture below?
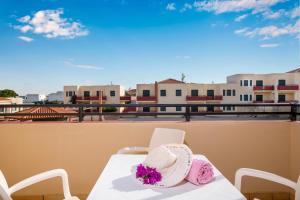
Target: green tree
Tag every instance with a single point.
(8, 93)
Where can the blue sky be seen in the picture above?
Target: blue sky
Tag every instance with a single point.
(46, 44)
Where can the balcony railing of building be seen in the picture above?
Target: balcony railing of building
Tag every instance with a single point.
(146, 98)
(288, 87)
(204, 98)
(264, 101)
(265, 87)
(125, 98)
(82, 110)
(90, 98)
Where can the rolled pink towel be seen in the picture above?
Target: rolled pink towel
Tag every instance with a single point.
(201, 172)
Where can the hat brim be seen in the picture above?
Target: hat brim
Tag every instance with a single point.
(173, 175)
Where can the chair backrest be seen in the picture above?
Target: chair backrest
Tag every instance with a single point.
(267, 176)
(297, 189)
(166, 136)
(4, 191)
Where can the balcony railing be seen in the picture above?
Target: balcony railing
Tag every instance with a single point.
(264, 101)
(204, 98)
(125, 98)
(288, 101)
(91, 98)
(78, 110)
(288, 87)
(146, 98)
(265, 87)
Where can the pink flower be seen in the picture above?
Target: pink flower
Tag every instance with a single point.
(201, 172)
(147, 174)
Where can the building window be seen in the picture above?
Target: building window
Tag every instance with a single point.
(228, 108)
(178, 108)
(70, 93)
(281, 98)
(224, 92)
(250, 97)
(259, 97)
(112, 93)
(228, 92)
(250, 82)
(194, 93)
(210, 93)
(281, 82)
(146, 109)
(86, 93)
(233, 93)
(245, 82)
(98, 93)
(1, 110)
(259, 83)
(178, 93)
(241, 82)
(163, 109)
(233, 108)
(241, 97)
(67, 94)
(246, 97)
(163, 93)
(146, 93)
(194, 108)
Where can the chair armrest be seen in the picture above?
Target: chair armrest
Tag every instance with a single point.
(44, 176)
(261, 174)
(133, 150)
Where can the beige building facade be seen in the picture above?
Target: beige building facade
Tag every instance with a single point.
(238, 89)
(10, 101)
(111, 94)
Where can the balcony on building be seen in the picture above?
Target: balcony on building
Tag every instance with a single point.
(125, 98)
(204, 98)
(263, 87)
(263, 101)
(146, 98)
(90, 98)
(288, 87)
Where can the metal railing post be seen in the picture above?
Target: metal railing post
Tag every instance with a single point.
(187, 113)
(293, 115)
(80, 114)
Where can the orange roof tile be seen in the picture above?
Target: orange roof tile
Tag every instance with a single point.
(36, 110)
(294, 71)
(170, 80)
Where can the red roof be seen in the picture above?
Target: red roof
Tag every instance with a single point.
(294, 71)
(59, 111)
(170, 80)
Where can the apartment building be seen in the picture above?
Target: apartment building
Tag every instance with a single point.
(56, 97)
(33, 98)
(111, 94)
(10, 101)
(239, 88)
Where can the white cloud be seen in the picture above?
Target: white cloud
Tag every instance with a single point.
(26, 39)
(83, 66)
(240, 18)
(275, 31)
(50, 24)
(219, 7)
(186, 7)
(171, 6)
(273, 45)
(295, 12)
(240, 31)
(268, 14)
(183, 57)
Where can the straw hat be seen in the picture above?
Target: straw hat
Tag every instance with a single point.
(172, 161)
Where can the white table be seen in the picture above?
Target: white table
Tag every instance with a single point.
(117, 183)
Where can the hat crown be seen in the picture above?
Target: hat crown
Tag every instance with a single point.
(160, 158)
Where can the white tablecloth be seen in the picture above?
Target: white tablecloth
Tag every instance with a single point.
(117, 183)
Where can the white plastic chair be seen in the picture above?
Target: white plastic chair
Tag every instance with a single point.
(6, 192)
(267, 176)
(160, 136)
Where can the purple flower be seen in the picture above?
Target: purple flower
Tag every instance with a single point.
(147, 174)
